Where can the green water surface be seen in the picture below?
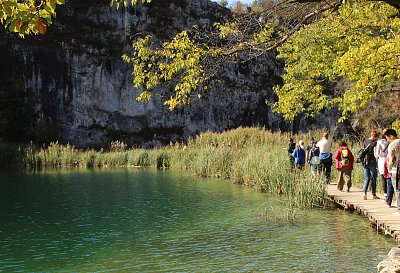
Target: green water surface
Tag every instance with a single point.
(139, 220)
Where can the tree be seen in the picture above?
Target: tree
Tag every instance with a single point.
(337, 53)
(28, 16)
(239, 7)
(347, 58)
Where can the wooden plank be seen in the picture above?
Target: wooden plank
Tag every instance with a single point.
(376, 211)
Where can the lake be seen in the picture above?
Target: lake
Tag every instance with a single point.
(144, 220)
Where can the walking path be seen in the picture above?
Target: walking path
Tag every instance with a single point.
(378, 213)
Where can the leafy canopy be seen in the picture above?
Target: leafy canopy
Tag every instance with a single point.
(337, 53)
(347, 58)
(28, 16)
(180, 58)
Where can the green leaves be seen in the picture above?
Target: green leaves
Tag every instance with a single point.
(33, 17)
(117, 3)
(28, 17)
(344, 59)
(180, 60)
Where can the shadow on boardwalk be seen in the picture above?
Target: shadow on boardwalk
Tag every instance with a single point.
(377, 212)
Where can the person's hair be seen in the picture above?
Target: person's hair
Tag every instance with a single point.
(384, 131)
(375, 133)
(326, 135)
(297, 146)
(390, 132)
(290, 139)
(301, 142)
(342, 143)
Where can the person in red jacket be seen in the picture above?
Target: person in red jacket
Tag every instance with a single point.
(344, 164)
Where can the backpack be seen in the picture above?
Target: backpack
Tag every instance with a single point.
(344, 157)
(362, 154)
(315, 151)
(313, 156)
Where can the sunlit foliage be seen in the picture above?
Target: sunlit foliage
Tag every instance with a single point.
(356, 48)
(337, 53)
(179, 59)
(29, 16)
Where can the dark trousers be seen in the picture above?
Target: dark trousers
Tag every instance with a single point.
(390, 190)
(325, 167)
(291, 160)
(384, 184)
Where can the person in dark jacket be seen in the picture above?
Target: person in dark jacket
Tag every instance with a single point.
(344, 164)
(290, 149)
(369, 165)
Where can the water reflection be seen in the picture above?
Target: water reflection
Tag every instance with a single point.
(135, 220)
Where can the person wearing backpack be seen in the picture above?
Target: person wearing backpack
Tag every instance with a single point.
(369, 165)
(344, 164)
(313, 158)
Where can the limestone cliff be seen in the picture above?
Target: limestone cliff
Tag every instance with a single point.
(72, 85)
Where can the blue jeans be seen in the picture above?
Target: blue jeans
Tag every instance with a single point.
(370, 173)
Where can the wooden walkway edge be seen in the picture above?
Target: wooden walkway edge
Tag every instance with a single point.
(377, 212)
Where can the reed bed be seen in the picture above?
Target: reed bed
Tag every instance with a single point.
(253, 157)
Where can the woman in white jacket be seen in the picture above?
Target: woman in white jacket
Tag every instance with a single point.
(381, 151)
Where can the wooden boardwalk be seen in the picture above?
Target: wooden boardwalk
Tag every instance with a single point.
(377, 212)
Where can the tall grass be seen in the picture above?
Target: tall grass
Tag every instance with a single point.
(253, 157)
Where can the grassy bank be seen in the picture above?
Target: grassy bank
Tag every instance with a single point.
(249, 156)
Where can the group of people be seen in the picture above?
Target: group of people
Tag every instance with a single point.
(316, 154)
(382, 157)
(378, 155)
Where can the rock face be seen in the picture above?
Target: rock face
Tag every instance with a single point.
(391, 264)
(71, 84)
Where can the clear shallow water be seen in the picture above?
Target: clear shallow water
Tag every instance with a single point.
(135, 220)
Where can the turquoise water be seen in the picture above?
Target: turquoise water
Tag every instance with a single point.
(136, 220)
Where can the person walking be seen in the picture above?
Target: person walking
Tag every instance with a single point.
(390, 191)
(313, 158)
(290, 149)
(299, 156)
(325, 156)
(344, 164)
(393, 164)
(308, 148)
(380, 154)
(369, 165)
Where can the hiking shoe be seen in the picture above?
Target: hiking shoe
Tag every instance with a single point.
(375, 197)
(396, 213)
(348, 189)
(364, 197)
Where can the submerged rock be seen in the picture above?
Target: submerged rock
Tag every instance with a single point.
(391, 264)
